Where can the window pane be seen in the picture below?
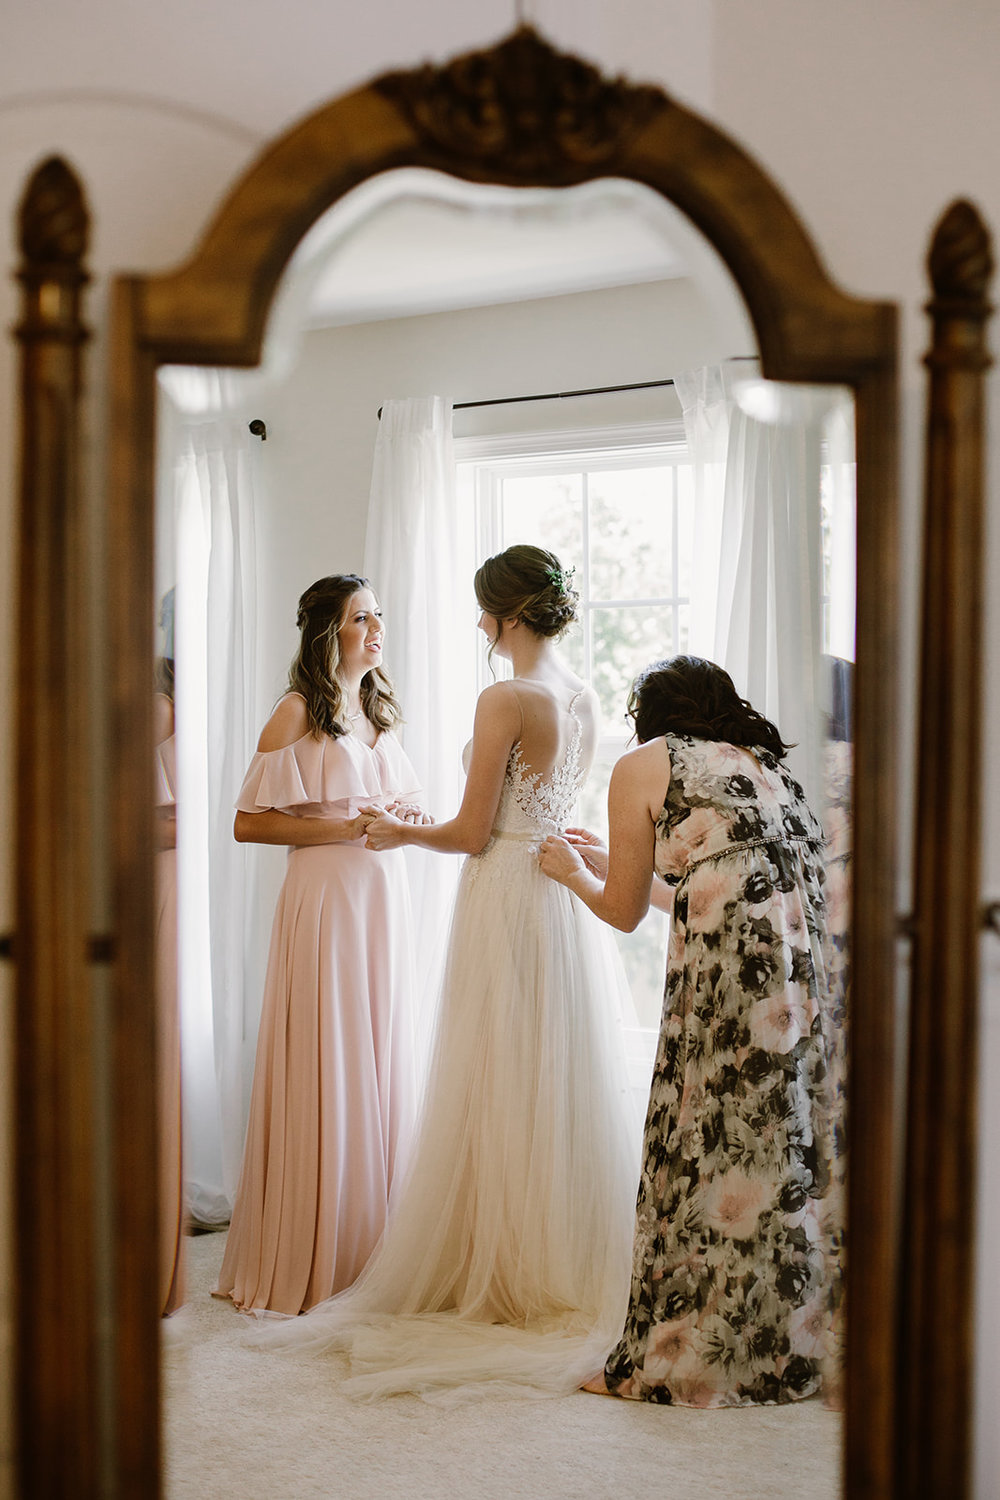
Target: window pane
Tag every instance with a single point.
(593, 808)
(685, 528)
(626, 640)
(644, 951)
(631, 533)
(644, 955)
(547, 511)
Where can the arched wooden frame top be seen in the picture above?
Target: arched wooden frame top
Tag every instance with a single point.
(520, 115)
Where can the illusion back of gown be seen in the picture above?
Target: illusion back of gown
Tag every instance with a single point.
(534, 804)
(505, 1261)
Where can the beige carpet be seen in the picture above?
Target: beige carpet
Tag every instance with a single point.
(262, 1426)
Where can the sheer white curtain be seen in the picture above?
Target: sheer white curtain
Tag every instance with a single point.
(208, 488)
(758, 452)
(840, 507)
(706, 404)
(419, 557)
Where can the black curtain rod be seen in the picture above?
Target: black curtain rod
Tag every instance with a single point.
(594, 390)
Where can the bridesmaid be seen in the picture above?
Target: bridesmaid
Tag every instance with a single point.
(332, 1093)
(734, 1280)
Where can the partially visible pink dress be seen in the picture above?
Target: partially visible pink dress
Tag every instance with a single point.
(169, 1059)
(333, 1081)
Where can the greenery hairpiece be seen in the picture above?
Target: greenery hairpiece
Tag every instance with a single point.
(561, 578)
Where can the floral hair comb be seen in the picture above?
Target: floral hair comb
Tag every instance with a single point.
(561, 578)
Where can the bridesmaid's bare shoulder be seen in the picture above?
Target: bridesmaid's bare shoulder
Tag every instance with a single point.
(163, 717)
(288, 723)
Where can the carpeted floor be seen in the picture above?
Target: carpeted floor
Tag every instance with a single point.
(262, 1426)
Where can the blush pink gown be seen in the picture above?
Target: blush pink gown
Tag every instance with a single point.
(333, 1088)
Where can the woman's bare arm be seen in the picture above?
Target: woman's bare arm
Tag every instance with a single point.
(595, 856)
(497, 726)
(661, 895)
(269, 826)
(638, 789)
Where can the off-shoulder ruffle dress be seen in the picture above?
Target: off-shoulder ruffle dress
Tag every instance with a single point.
(333, 1089)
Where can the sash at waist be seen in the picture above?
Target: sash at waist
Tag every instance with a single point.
(523, 838)
(782, 841)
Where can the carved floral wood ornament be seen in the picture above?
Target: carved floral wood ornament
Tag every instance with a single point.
(520, 114)
(522, 108)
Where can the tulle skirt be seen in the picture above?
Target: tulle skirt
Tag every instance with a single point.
(506, 1257)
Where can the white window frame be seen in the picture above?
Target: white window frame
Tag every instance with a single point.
(485, 461)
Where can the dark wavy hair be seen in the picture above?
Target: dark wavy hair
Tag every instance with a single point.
(315, 669)
(688, 695)
(529, 584)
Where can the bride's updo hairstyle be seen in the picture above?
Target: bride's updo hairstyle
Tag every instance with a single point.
(315, 671)
(688, 695)
(528, 584)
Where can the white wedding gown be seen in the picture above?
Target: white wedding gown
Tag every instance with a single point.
(506, 1258)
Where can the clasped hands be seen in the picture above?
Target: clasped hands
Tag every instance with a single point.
(561, 856)
(382, 827)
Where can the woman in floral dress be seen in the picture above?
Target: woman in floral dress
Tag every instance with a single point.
(733, 1274)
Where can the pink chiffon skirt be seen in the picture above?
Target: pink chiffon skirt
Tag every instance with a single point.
(333, 1089)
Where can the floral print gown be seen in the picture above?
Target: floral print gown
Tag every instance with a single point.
(734, 1271)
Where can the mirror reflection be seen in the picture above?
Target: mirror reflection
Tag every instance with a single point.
(670, 502)
(172, 1213)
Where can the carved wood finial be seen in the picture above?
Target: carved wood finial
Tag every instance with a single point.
(523, 105)
(960, 261)
(54, 222)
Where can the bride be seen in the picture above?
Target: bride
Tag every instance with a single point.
(506, 1258)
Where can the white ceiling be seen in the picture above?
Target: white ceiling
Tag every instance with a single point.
(414, 255)
(414, 241)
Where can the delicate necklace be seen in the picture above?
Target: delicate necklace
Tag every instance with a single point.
(354, 717)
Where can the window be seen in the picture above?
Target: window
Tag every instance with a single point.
(618, 508)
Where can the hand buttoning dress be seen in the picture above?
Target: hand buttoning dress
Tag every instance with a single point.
(333, 1091)
(504, 1266)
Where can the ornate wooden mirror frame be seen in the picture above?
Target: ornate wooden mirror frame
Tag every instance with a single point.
(521, 115)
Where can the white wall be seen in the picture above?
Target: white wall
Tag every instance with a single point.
(871, 114)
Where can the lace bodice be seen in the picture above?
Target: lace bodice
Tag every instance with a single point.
(532, 804)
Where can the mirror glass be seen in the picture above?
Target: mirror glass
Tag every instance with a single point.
(583, 365)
